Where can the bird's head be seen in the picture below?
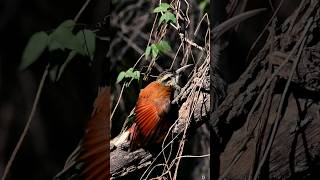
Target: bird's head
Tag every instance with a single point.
(171, 79)
(168, 78)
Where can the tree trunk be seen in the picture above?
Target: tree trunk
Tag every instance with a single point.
(268, 125)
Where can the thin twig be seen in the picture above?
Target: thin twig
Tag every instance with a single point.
(81, 10)
(26, 128)
(264, 29)
(114, 109)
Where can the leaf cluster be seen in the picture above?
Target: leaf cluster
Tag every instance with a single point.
(166, 14)
(156, 48)
(130, 75)
(61, 38)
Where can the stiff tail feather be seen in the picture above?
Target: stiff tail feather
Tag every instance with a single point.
(94, 150)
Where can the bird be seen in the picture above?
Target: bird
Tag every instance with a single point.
(154, 113)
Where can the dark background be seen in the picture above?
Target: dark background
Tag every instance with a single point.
(64, 106)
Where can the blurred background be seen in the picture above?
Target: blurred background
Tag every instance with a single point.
(64, 107)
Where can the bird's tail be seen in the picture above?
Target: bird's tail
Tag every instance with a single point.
(94, 150)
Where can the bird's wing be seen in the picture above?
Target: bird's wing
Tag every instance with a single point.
(146, 118)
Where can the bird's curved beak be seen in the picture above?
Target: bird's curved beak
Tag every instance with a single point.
(178, 71)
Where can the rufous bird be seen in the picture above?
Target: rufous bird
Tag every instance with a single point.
(154, 112)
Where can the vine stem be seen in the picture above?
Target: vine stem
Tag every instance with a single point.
(25, 130)
(81, 10)
(114, 110)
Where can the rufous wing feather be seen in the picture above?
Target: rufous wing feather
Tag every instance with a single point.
(95, 144)
(147, 120)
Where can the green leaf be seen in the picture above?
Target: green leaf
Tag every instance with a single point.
(34, 48)
(163, 46)
(66, 62)
(90, 43)
(154, 50)
(137, 75)
(121, 76)
(203, 4)
(162, 18)
(69, 23)
(129, 73)
(81, 46)
(147, 53)
(63, 35)
(168, 16)
(54, 45)
(86, 39)
(163, 7)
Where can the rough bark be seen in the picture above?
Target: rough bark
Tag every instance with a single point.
(280, 137)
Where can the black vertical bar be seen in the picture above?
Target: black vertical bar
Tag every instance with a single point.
(217, 14)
